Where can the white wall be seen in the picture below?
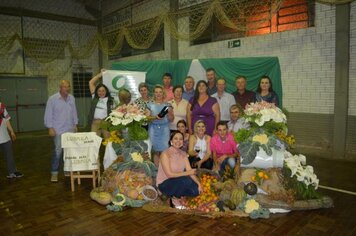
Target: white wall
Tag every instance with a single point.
(306, 57)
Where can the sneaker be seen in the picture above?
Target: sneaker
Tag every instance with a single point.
(15, 175)
(54, 178)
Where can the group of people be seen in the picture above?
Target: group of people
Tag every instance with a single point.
(196, 131)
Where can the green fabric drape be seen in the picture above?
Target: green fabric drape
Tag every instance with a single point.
(252, 67)
(155, 70)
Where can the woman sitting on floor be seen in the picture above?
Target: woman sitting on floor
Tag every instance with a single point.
(175, 177)
(223, 147)
(199, 147)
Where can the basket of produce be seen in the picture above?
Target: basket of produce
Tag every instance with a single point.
(149, 193)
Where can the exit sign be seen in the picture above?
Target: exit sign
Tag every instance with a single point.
(234, 43)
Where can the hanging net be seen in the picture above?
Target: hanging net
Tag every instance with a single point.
(46, 41)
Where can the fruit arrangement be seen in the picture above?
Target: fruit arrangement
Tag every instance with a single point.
(260, 176)
(206, 200)
(130, 183)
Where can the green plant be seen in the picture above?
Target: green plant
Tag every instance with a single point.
(242, 135)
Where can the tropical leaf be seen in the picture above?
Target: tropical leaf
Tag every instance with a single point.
(267, 149)
(248, 152)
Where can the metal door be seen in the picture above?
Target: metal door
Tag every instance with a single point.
(26, 98)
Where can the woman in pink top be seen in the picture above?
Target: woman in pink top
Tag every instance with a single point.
(223, 148)
(175, 177)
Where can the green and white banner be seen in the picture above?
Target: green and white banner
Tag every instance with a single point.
(118, 79)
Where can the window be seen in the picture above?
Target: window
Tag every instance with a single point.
(81, 84)
(292, 14)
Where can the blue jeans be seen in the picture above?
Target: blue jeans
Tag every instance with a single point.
(57, 155)
(231, 161)
(179, 187)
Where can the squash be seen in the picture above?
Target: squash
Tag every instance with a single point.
(103, 198)
(119, 199)
(225, 195)
(237, 196)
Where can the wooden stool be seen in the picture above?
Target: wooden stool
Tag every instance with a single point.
(85, 174)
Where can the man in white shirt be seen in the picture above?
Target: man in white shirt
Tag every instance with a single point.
(236, 121)
(225, 100)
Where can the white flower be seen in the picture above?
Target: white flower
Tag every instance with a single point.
(126, 121)
(305, 174)
(115, 121)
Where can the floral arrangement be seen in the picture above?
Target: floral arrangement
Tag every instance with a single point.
(268, 131)
(114, 138)
(300, 177)
(262, 112)
(249, 148)
(130, 117)
(303, 173)
(287, 139)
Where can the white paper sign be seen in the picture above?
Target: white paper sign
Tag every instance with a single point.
(80, 151)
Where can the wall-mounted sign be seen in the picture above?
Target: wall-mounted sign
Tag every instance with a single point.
(234, 43)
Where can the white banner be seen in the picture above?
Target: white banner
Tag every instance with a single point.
(80, 151)
(118, 79)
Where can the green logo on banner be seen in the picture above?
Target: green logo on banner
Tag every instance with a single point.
(118, 82)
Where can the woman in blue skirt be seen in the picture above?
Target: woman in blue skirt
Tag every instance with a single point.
(158, 128)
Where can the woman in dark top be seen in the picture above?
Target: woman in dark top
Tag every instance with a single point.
(100, 106)
(203, 107)
(265, 91)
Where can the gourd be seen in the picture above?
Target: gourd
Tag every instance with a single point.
(103, 198)
(237, 196)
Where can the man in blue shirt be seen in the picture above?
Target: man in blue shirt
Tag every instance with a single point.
(60, 117)
(188, 88)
